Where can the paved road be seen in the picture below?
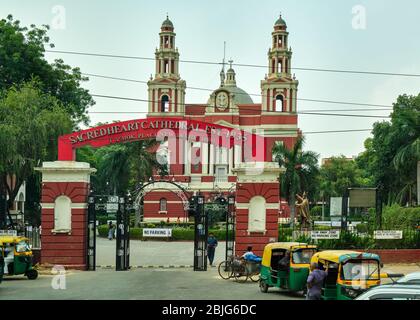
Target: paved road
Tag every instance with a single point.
(140, 284)
(145, 253)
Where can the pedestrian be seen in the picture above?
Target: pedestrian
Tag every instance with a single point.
(110, 231)
(315, 282)
(211, 247)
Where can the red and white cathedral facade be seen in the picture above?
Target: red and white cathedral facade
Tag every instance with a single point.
(216, 172)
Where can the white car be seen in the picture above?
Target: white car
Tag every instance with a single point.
(412, 278)
(394, 291)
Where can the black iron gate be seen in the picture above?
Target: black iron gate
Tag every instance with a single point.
(109, 205)
(230, 228)
(3, 211)
(123, 236)
(201, 235)
(91, 235)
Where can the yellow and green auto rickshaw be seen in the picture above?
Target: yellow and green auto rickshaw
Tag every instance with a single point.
(349, 273)
(286, 266)
(17, 256)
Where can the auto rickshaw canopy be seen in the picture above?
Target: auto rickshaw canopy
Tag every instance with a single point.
(342, 256)
(290, 246)
(11, 239)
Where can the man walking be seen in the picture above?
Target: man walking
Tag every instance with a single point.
(315, 282)
(211, 247)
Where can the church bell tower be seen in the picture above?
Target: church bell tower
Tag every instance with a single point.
(166, 88)
(279, 88)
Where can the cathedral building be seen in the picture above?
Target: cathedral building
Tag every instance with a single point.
(273, 114)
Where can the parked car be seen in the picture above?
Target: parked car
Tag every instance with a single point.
(394, 291)
(412, 278)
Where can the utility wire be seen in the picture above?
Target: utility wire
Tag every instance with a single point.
(237, 64)
(239, 93)
(213, 107)
(338, 131)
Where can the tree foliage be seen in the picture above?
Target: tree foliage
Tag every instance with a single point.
(391, 156)
(29, 121)
(339, 174)
(22, 59)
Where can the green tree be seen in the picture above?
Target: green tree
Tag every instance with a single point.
(391, 156)
(28, 122)
(339, 174)
(301, 169)
(22, 59)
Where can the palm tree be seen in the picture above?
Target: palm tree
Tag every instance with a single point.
(300, 167)
(115, 168)
(408, 155)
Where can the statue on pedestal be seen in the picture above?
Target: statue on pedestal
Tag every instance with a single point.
(302, 206)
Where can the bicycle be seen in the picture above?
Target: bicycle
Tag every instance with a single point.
(233, 268)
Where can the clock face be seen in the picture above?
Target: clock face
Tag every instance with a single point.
(222, 100)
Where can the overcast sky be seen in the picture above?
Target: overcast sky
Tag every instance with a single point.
(325, 34)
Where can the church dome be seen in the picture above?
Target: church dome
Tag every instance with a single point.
(167, 23)
(280, 22)
(228, 83)
(240, 95)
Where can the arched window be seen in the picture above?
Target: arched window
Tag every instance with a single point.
(21, 201)
(62, 214)
(279, 103)
(164, 104)
(257, 215)
(163, 205)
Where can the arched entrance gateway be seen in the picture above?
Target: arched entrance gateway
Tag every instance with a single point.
(221, 146)
(68, 179)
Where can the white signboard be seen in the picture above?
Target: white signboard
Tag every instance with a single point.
(336, 224)
(10, 233)
(325, 234)
(323, 223)
(388, 234)
(336, 207)
(157, 233)
(112, 207)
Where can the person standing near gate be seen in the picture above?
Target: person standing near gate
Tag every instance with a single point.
(211, 247)
(110, 231)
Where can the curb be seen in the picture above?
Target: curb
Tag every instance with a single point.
(108, 267)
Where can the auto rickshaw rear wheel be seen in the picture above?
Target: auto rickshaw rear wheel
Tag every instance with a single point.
(32, 274)
(263, 286)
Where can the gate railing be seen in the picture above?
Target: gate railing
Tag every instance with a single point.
(34, 236)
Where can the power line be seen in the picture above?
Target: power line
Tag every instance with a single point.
(338, 131)
(256, 95)
(237, 64)
(304, 113)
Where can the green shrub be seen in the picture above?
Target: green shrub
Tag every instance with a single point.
(396, 217)
(362, 228)
(316, 211)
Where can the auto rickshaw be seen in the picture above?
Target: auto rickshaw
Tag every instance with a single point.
(17, 256)
(291, 276)
(349, 273)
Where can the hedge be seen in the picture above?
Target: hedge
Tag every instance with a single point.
(349, 240)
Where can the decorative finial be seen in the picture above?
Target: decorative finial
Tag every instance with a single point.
(167, 16)
(230, 62)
